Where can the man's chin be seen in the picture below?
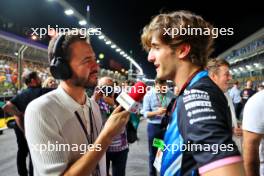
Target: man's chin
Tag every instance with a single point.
(162, 76)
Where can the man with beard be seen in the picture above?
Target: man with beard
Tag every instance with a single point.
(64, 128)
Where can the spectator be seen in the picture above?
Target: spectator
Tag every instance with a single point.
(50, 82)
(17, 106)
(236, 98)
(253, 134)
(218, 70)
(154, 108)
(117, 152)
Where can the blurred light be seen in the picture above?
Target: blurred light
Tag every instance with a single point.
(68, 12)
(101, 37)
(122, 52)
(123, 70)
(98, 61)
(82, 22)
(125, 55)
(113, 46)
(118, 49)
(33, 37)
(108, 42)
(241, 68)
(248, 67)
(88, 8)
(93, 30)
(101, 56)
(257, 65)
(16, 53)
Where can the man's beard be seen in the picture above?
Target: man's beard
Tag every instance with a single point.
(83, 82)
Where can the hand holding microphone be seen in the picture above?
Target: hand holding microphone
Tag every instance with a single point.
(129, 102)
(116, 122)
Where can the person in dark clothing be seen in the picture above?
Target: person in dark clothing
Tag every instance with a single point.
(16, 107)
(245, 95)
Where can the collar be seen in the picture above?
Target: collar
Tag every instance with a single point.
(68, 101)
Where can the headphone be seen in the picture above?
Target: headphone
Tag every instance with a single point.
(59, 67)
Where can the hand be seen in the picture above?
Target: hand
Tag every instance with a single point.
(97, 95)
(109, 100)
(161, 111)
(116, 123)
(237, 132)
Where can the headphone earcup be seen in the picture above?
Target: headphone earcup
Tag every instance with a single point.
(60, 69)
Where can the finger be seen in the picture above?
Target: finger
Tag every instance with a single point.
(117, 109)
(124, 113)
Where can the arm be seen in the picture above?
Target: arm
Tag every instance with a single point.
(253, 131)
(214, 130)
(11, 109)
(251, 143)
(87, 163)
(56, 162)
(147, 110)
(227, 170)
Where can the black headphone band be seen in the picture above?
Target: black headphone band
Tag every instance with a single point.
(57, 48)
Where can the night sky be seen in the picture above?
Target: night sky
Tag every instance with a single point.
(123, 21)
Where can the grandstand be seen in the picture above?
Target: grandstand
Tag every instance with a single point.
(34, 58)
(247, 58)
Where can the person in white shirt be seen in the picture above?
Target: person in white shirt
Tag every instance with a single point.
(63, 127)
(253, 133)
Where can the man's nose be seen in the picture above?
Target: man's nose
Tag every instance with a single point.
(151, 57)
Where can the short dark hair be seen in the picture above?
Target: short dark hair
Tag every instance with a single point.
(69, 39)
(28, 76)
(160, 81)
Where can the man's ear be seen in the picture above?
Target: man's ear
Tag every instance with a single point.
(183, 50)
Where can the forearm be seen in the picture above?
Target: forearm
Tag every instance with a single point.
(251, 159)
(12, 109)
(87, 163)
(20, 122)
(151, 114)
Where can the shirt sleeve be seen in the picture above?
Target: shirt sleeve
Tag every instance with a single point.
(15, 101)
(208, 129)
(146, 105)
(42, 133)
(253, 115)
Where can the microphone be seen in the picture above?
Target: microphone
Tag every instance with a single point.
(131, 101)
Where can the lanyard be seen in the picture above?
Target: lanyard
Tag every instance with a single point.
(90, 138)
(161, 99)
(190, 80)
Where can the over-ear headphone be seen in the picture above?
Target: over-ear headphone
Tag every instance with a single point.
(59, 67)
